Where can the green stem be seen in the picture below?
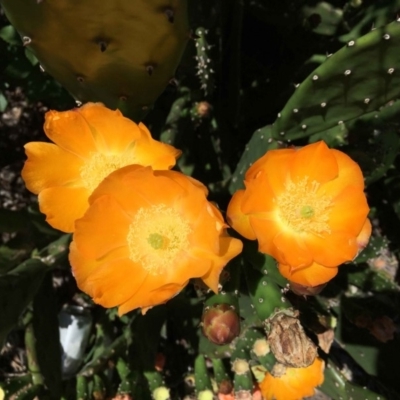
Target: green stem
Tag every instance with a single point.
(30, 344)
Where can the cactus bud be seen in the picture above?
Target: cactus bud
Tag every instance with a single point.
(221, 323)
(288, 341)
(161, 393)
(205, 395)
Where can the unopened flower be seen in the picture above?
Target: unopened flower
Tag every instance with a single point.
(292, 383)
(306, 208)
(145, 234)
(89, 143)
(220, 323)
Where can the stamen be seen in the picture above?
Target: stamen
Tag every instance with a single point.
(156, 237)
(304, 210)
(99, 166)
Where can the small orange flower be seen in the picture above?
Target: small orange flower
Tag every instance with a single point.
(306, 208)
(145, 234)
(294, 384)
(89, 143)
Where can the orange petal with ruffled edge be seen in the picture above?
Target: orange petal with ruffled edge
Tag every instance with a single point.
(111, 130)
(77, 260)
(295, 384)
(349, 211)
(258, 197)
(275, 163)
(115, 282)
(293, 251)
(237, 219)
(93, 237)
(146, 299)
(70, 131)
(315, 161)
(48, 165)
(228, 248)
(266, 231)
(312, 275)
(157, 154)
(364, 235)
(133, 187)
(333, 249)
(63, 206)
(350, 174)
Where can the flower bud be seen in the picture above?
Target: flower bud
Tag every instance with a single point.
(289, 343)
(221, 323)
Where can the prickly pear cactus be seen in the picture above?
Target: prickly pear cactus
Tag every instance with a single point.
(122, 54)
(256, 77)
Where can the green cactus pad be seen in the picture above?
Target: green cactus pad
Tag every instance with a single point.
(120, 53)
(359, 78)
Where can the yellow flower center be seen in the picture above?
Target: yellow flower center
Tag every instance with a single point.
(156, 237)
(304, 210)
(99, 166)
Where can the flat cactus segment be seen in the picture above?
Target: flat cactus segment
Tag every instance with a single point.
(113, 52)
(359, 78)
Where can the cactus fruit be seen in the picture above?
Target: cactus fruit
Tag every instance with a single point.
(120, 53)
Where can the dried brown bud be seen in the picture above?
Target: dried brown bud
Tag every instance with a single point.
(225, 386)
(383, 328)
(289, 343)
(203, 109)
(306, 290)
(221, 323)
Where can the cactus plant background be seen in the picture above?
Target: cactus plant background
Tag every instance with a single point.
(224, 81)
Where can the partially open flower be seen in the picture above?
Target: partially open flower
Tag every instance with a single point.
(145, 234)
(89, 143)
(292, 383)
(306, 208)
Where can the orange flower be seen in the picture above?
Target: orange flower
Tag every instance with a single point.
(90, 142)
(305, 207)
(145, 234)
(294, 384)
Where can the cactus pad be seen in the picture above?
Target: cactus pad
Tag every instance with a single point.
(120, 53)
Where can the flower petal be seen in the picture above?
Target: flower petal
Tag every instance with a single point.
(350, 174)
(148, 296)
(332, 250)
(115, 282)
(295, 384)
(312, 275)
(293, 251)
(83, 268)
(95, 237)
(275, 163)
(229, 248)
(349, 212)
(258, 197)
(266, 231)
(315, 161)
(111, 130)
(70, 131)
(237, 219)
(48, 165)
(157, 154)
(63, 206)
(363, 237)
